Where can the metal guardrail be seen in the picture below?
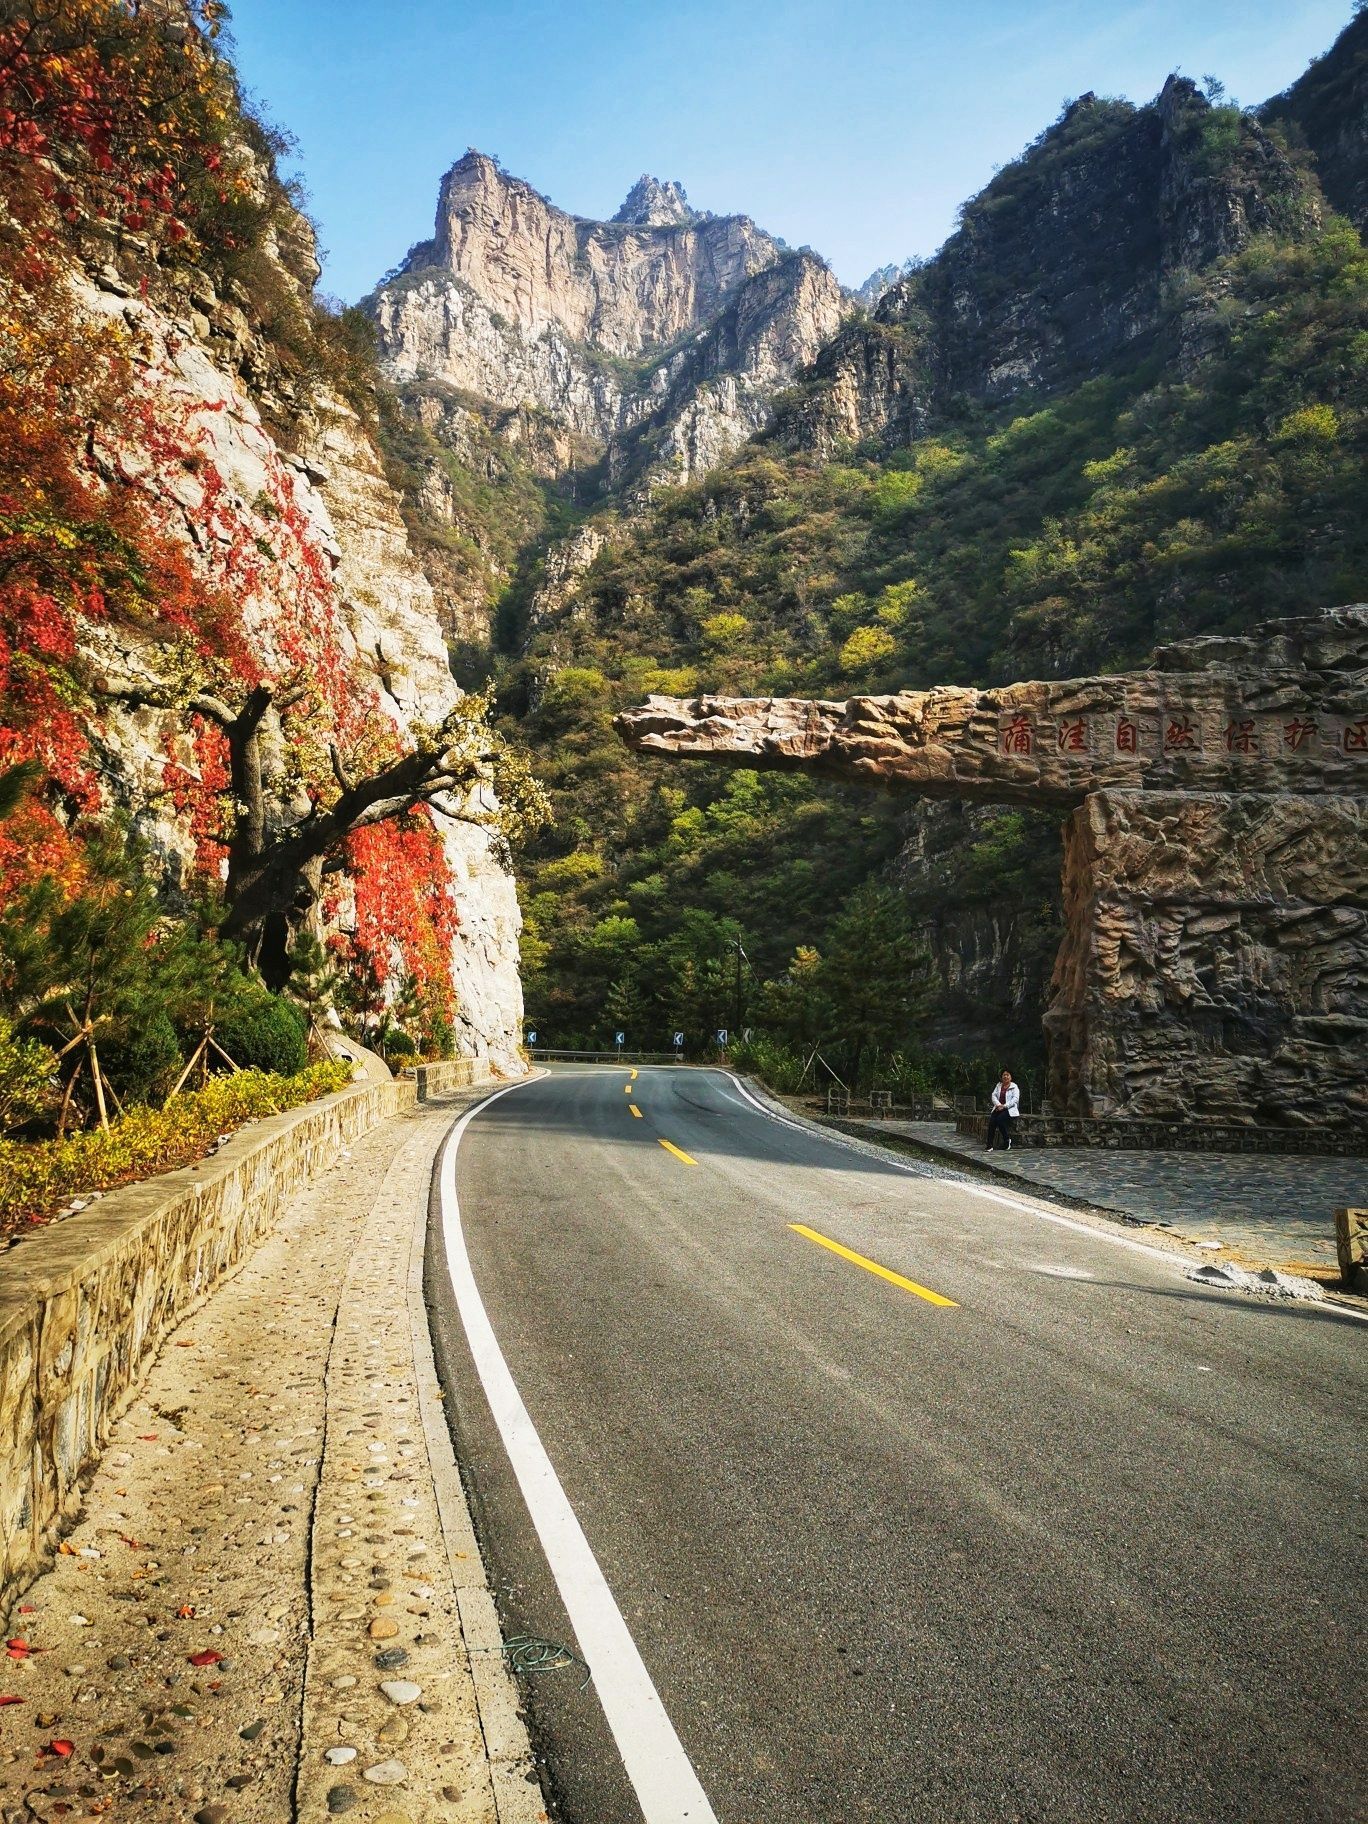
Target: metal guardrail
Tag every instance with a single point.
(557, 1055)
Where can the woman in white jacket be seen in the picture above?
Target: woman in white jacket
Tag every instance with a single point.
(1004, 1111)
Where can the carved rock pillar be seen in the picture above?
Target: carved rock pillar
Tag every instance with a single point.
(1216, 958)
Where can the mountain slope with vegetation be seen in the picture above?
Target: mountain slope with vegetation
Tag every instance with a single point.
(1126, 402)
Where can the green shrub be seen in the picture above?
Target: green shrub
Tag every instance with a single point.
(439, 1036)
(399, 1045)
(777, 1065)
(27, 1070)
(262, 1031)
(145, 1061)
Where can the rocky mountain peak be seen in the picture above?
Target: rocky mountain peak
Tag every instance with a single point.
(653, 204)
(872, 290)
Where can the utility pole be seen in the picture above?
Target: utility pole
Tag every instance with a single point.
(740, 956)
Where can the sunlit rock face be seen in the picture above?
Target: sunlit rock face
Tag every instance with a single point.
(661, 336)
(320, 531)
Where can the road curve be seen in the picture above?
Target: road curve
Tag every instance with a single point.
(1021, 1526)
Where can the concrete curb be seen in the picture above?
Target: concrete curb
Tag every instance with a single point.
(513, 1775)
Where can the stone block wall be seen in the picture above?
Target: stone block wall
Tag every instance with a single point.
(85, 1305)
(1215, 963)
(451, 1073)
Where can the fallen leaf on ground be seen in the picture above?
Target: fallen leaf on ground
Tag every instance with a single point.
(207, 1658)
(61, 1747)
(186, 1611)
(19, 1649)
(10, 1700)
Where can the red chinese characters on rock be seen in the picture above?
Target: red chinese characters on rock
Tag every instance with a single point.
(1127, 736)
(1073, 737)
(1297, 733)
(1356, 736)
(1239, 736)
(1180, 735)
(1018, 737)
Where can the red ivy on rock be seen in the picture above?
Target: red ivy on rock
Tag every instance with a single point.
(124, 112)
(125, 550)
(406, 920)
(198, 791)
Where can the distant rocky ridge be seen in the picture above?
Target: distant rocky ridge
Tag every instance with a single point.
(1060, 265)
(652, 204)
(871, 291)
(611, 329)
(647, 350)
(644, 350)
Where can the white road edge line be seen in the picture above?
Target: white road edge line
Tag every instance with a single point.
(1178, 1262)
(666, 1786)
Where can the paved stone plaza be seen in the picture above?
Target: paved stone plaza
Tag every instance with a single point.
(1277, 1210)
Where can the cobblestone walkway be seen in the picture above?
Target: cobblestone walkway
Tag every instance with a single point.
(1276, 1210)
(259, 1615)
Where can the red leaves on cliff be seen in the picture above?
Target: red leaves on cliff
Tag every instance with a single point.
(405, 920)
(121, 110)
(125, 552)
(198, 791)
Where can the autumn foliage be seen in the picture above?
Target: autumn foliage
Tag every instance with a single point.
(125, 551)
(127, 113)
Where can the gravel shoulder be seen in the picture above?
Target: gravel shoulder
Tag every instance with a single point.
(258, 1616)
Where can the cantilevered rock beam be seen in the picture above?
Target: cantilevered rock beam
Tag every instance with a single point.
(1285, 710)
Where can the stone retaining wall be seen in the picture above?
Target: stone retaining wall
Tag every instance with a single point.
(1123, 1135)
(85, 1305)
(1351, 1248)
(451, 1073)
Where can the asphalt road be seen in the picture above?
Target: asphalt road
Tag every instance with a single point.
(1087, 1543)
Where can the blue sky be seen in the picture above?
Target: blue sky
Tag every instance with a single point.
(854, 126)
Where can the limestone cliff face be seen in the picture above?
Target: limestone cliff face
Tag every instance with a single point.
(320, 524)
(609, 328)
(706, 400)
(1059, 266)
(622, 287)
(388, 610)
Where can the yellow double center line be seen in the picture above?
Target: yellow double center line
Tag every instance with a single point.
(872, 1266)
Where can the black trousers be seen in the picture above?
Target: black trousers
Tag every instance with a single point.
(1000, 1122)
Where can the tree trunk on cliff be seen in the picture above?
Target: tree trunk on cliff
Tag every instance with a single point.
(275, 875)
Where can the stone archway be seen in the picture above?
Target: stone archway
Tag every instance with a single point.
(1215, 957)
